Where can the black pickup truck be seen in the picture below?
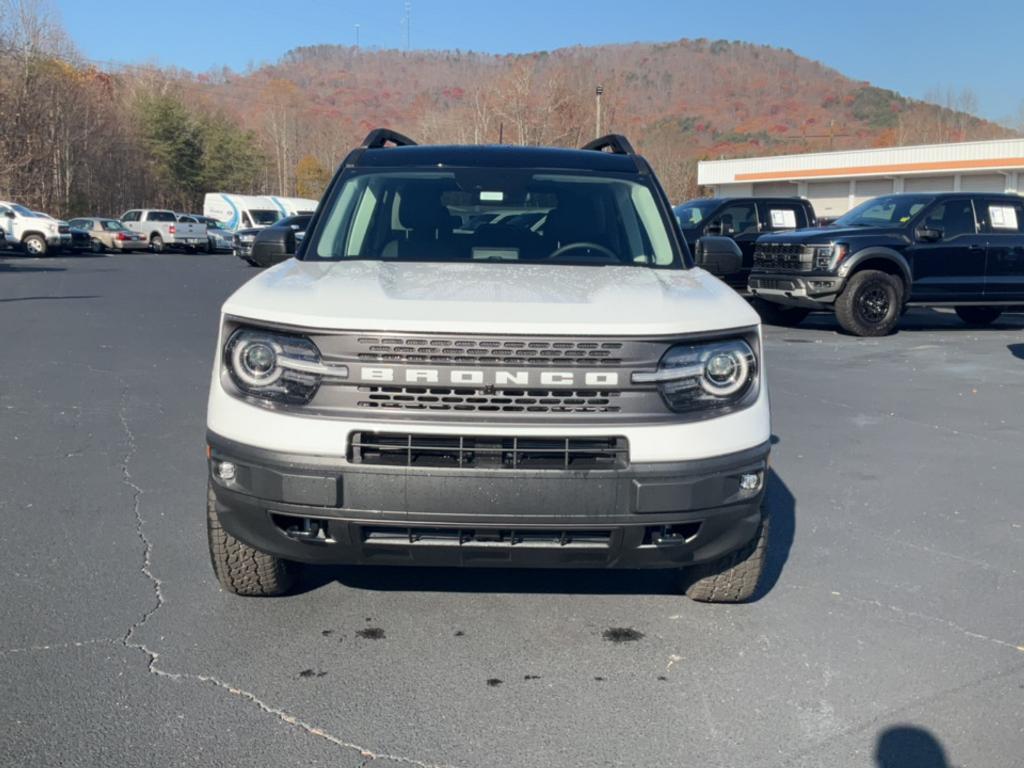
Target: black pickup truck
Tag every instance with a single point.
(962, 250)
(742, 219)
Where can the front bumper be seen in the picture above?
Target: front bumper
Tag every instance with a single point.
(655, 515)
(60, 241)
(243, 249)
(809, 290)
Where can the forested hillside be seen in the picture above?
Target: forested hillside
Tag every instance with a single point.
(78, 138)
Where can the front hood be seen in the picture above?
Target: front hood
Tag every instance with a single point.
(823, 235)
(490, 298)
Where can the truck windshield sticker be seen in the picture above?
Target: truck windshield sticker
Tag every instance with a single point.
(1003, 217)
(491, 197)
(783, 218)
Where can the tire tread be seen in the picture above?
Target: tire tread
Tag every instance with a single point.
(241, 569)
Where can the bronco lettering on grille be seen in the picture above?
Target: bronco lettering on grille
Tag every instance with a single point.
(488, 377)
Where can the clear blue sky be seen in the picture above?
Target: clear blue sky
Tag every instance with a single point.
(908, 46)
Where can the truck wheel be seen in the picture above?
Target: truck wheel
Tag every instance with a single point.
(156, 243)
(777, 314)
(240, 568)
(979, 315)
(734, 578)
(870, 304)
(35, 245)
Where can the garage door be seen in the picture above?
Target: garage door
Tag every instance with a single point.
(775, 189)
(829, 198)
(983, 182)
(928, 184)
(868, 188)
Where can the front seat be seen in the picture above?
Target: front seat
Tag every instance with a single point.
(577, 219)
(427, 224)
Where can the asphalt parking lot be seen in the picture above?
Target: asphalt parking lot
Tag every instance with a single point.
(891, 624)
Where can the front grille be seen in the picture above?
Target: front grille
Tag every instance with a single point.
(486, 401)
(483, 351)
(62, 229)
(783, 256)
(486, 452)
(485, 537)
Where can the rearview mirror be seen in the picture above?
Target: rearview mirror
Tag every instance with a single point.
(930, 234)
(719, 255)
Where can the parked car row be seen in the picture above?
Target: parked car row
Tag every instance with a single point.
(225, 217)
(958, 249)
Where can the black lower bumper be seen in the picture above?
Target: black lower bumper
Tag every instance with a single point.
(814, 291)
(328, 510)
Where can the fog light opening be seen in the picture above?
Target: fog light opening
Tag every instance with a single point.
(225, 470)
(750, 481)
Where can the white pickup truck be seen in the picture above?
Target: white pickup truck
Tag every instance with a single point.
(163, 230)
(36, 232)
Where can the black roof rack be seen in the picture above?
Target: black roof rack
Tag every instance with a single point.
(615, 142)
(379, 137)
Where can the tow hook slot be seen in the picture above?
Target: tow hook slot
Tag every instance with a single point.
(304, 529)
(671, 535)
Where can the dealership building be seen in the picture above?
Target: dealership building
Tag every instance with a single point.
(834, 182)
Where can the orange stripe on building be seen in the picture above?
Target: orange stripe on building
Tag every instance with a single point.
(856, 170)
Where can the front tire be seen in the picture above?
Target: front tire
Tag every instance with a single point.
(97, 246)
(870, 304)
(240, 569)
(979, 316)
(777, 314)
(734, 578)
(35, 245)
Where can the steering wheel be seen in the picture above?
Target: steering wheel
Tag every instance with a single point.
(581, 245)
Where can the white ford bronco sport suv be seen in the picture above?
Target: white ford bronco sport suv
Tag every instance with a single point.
(489, 356)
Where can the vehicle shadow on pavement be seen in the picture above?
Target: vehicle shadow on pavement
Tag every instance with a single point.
(907, 746)
(916, 319)
(17, 268)
(50, 298)
(778, 500)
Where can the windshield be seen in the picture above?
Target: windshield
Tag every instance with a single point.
(691, 214)
(479, 214)
(888, 211)
(21, 209)
(264, 218)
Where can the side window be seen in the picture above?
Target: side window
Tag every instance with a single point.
(1001, 217)
(733, 220)
(779, 217)
(130, 216)
(953, 218)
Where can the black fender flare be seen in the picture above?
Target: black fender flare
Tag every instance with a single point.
(851, 263)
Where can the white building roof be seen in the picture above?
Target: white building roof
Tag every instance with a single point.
(963, 157)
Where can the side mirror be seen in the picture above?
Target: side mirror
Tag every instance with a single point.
(719, 255)
(9, 214)
(929, 234)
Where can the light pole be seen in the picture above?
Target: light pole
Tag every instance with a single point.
(357, 35)
(597, 98)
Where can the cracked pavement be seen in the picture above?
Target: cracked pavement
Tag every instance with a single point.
(894, 600)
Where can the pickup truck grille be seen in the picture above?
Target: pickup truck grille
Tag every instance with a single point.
(783, 256)
(486, 452)
(499, 401)
(489, 351)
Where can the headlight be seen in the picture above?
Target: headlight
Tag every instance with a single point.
(709, 375)
(275, 366)
(827, 256)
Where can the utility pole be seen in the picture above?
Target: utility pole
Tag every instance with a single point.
(357, 35)
(598, 92)
(407, 22)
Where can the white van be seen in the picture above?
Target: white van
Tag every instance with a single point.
(252, 211)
